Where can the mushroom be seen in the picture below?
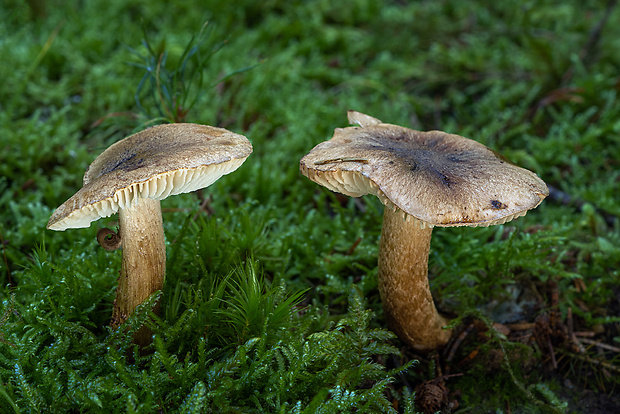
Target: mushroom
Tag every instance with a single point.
(131, 177)
(425, 179)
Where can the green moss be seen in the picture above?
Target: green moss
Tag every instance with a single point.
(263, 308)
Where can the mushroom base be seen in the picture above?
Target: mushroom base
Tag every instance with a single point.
(144, 261)
(403, 282)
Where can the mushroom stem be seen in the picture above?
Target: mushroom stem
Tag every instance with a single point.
(403, 282)
(144, 260)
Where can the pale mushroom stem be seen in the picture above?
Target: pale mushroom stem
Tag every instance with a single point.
(403, 282)
(144, 260)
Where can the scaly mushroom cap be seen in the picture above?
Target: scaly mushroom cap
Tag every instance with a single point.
(155, 163)
(441, 179)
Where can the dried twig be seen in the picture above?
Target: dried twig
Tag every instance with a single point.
(571, 333)
(599, 344)
(589, 359)
(457, 342)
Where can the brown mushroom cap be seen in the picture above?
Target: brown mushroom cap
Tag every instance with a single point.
(155, 163)
(439, 178)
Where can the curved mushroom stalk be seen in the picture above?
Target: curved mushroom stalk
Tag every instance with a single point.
(436, 178)
(131, 177)
(143, 267)
(403, 282)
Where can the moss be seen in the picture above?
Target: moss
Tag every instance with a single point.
(262, 308)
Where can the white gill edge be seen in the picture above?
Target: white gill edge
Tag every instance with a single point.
(158, 188)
